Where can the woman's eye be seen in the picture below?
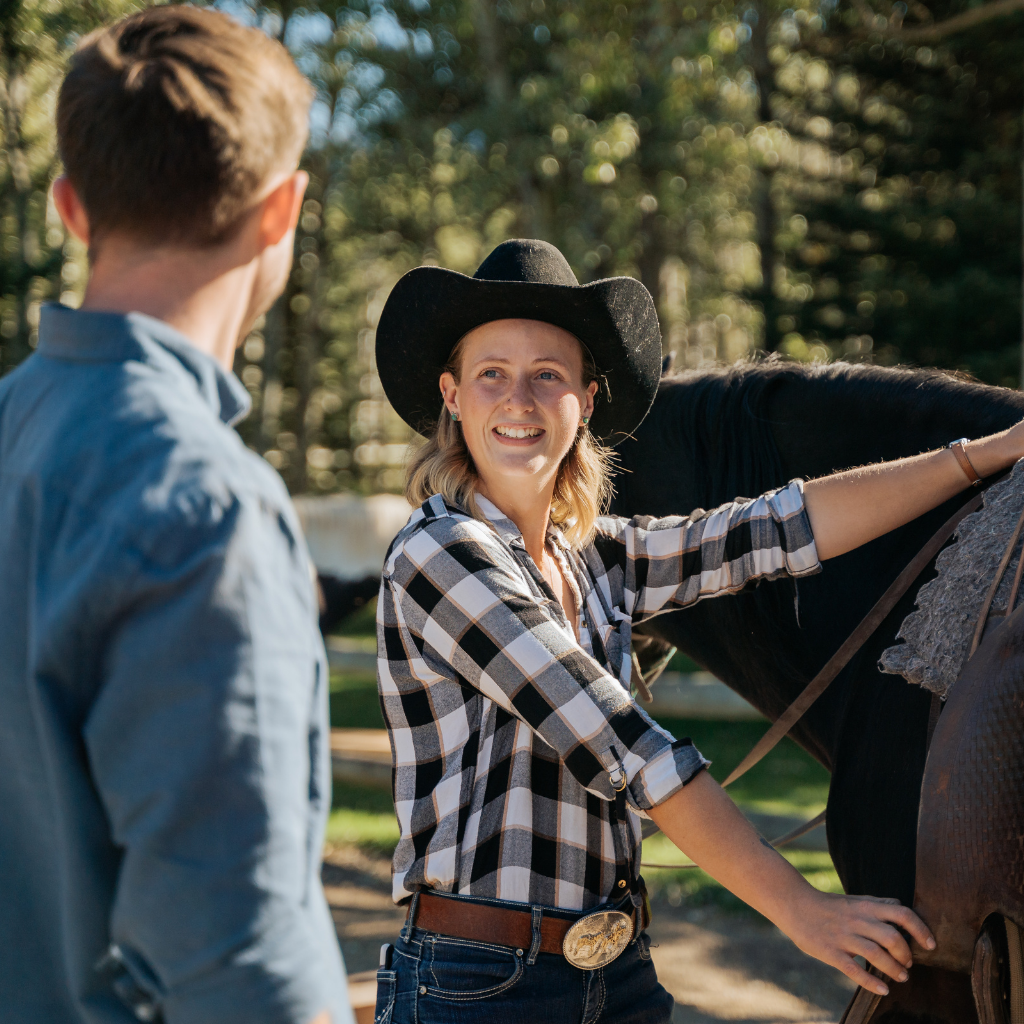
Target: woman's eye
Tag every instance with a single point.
(490, 374)
(547, 375)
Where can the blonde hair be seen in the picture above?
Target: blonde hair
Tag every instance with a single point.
(583, 487)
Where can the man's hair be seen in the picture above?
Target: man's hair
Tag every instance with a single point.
(171, 120)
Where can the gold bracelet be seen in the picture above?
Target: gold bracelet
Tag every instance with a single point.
(957, 448)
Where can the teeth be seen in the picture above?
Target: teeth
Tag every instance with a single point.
(518, 431)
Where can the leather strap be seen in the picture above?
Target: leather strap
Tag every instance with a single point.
(481, 922)
(957, 448)
(853, 643)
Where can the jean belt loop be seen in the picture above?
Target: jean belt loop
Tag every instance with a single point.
(536, 916)
(410, 920)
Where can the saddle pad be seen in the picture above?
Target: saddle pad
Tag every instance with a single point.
(937, 636)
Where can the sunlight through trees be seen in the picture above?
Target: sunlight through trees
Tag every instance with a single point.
(826, 181)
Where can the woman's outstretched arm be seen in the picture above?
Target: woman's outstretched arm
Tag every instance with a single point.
(850, 508)
(709, 828)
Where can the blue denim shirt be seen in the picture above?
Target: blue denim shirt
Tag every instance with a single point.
(164, 755)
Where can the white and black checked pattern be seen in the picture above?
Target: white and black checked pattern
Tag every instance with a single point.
(503, 727)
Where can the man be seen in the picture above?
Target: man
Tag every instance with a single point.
(164, 773)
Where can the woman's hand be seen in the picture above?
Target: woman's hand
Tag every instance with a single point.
(835, 929)
(709, 828)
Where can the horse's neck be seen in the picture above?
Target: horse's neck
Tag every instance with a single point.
(801, 425)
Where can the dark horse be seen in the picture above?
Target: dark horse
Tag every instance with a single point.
(713, 435)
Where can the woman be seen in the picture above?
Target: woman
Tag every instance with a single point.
(522, 765)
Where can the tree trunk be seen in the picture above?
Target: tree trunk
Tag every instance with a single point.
(495, 72)
(763, 204)
(13, 92)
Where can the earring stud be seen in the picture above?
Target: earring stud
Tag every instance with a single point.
(455, 416)
(586, 420)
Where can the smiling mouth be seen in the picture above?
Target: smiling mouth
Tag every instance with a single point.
(511, 433)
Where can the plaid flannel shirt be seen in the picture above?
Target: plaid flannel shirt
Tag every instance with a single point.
(507, 732)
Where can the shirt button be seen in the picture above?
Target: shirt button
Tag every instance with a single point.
(423, 990)
(622, 883)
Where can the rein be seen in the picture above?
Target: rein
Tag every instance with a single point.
(853, 643)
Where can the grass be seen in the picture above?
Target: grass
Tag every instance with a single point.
(788, 781)
(354, 701)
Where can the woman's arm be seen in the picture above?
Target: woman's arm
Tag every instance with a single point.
(678, 560)
(850, 508)
(709, 828)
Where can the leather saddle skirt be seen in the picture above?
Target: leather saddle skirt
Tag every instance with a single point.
(970, 841)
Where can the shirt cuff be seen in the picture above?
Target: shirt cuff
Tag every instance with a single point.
(665, 774)
(787, 507)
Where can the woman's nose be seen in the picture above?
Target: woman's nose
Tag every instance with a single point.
(520, 395)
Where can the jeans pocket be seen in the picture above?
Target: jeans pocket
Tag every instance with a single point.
(463, 971)
(387, 986)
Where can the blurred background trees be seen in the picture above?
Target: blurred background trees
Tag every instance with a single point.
(826, 181)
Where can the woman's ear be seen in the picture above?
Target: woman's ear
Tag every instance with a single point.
(449, 392)
(588, 403)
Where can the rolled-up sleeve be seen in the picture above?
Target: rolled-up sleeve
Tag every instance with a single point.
(458, 603)
(207, 745)
(679, 560)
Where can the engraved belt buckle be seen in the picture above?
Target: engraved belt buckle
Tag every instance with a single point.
(595, 940)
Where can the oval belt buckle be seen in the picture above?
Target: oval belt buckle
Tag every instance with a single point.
(596, 940)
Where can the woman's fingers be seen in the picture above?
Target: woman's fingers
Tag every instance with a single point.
(894, 912)
(906, 919)
(840, 928)
(879, 957)
(887, 936)
(859, 976)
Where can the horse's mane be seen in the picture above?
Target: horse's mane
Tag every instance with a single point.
(722, 419)
(726, 411)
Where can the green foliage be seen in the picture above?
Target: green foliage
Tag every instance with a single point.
(919, 252)
(37, 261)
(796, 178)
(828, 181)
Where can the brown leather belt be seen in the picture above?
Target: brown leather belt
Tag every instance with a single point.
(500, 926)
(481, 922)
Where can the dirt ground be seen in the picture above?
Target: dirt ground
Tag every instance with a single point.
(719, 966)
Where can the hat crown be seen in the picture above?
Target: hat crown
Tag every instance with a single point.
(529, 260)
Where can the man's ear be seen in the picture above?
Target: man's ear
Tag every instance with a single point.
(281, 209)
(70, 208)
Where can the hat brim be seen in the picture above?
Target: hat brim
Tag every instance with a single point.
(431, 308)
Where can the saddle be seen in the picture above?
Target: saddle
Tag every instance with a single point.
(970, 840)
(970, 833)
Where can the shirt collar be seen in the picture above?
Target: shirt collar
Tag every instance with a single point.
(90, 336)
(508, 531)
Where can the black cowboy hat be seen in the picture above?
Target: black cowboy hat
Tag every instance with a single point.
(431, 308)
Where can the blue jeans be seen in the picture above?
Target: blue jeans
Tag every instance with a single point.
(440, 979)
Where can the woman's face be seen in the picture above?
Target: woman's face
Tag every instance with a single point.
(520, 399)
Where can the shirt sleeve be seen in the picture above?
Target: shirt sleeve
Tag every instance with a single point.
(460, 610)
(207, 743)
(679, 560)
